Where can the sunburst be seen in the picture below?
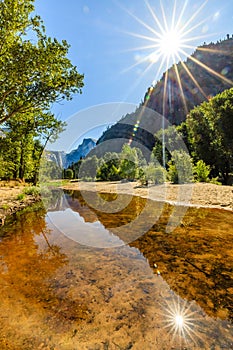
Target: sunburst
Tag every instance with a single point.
(171, 38)
(181, 320)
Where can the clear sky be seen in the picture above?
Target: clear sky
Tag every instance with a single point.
(107, 38)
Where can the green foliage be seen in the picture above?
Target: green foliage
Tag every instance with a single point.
(5, 206)
(34, 74)
(48, 170)
(21, 197)
(129, 165)
(32, 191)
(180, 168)
(201, 172)
(109, 169)
(68, 174)
(210, 132)
(154, 174)
(88, 168)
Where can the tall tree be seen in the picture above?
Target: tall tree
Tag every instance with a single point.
(210, 132)
(33, 73)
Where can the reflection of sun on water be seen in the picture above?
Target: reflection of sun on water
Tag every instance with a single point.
(181, 321)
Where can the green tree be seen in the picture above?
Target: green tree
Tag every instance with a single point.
(129, 166)
(154, 174)
(24, 143)
(88, 168)
(33, 73)
(68, 174)
(210, 132)
(109, 170)
(201, 172)
(180, 168)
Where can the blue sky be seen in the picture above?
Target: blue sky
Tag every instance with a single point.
(103, 49)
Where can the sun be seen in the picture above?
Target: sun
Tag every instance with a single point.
(170, 43)
(171, 35)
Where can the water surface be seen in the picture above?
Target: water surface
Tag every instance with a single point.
(160, 291)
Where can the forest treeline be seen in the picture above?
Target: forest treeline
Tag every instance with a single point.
(207, 157)
(35, 73)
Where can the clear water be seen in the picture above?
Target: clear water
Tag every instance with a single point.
(61, 290)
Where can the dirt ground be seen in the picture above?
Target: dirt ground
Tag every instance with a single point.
(9, 201)
(197, 194)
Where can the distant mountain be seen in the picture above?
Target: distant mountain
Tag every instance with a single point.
(81, 152)
(64, 160)
(58, 157)
(207, 72)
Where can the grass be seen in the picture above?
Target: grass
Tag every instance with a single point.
(20, 197)
(31, 191)
(5, 206)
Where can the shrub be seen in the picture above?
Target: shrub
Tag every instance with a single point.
(68, 174)
(88, 168)
(21, 197)
(202, 171)
(180, 168)
(154, 174)
(31, 191)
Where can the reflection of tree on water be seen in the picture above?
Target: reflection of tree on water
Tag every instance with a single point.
(195, 259)
(53, 199)
(30, 289)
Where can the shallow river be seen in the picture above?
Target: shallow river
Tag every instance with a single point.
(76, 277)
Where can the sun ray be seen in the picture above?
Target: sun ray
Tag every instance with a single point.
(172, 38)
(194, 80)
(173, 16)
(185, 33)
(164, 17)
(140, 36)
(215, 51)
(155, 17)
(140, 48)
(212, 71)
(194, 15)
(181, 88)
(181, 14)
(165, 91)
(180, 320)
(198, 37)
(145, 25)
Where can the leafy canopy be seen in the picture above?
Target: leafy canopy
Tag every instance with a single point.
(34, 73)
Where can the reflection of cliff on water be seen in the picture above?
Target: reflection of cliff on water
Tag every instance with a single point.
(196, 259)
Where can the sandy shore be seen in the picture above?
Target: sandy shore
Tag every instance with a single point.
(10, 203)
(197, 194)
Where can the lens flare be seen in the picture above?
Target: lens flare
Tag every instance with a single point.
(172, 35)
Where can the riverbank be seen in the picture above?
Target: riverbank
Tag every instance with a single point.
(15, 196)
(196, 194)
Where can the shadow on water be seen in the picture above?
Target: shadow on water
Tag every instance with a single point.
(159, 291)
